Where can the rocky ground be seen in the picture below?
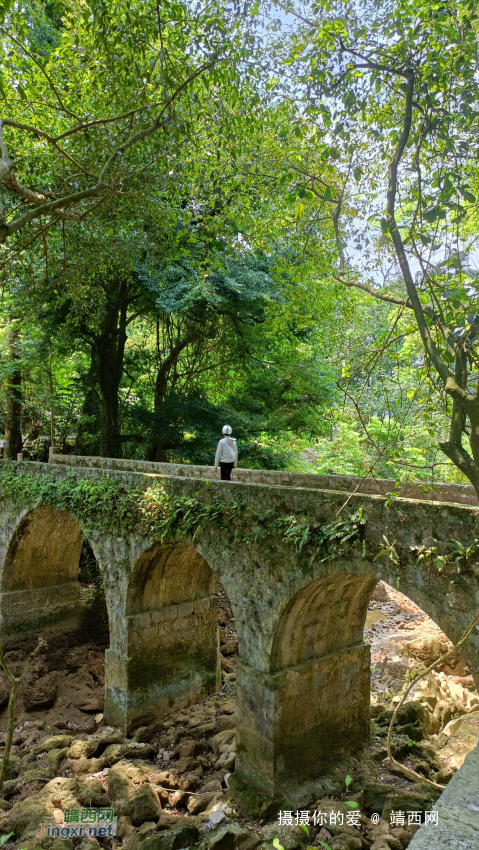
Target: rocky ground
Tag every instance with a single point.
(168, 784)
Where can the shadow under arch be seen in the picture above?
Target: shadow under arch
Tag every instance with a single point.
(172, 632)
(40, 588)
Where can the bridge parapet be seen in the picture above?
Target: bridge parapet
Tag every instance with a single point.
(460, 494)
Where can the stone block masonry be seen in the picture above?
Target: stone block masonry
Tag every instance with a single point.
(303, 670)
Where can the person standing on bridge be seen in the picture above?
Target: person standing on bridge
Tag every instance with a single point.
(226, 454)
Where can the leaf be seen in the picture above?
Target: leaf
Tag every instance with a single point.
(277, 845)
(348, 780)
(351, 804)
(5, 838)
(358, 172)
(323, 844)
(298, 214)
(303, 826)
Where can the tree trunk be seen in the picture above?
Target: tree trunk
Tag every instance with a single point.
(155, 451)
(110, 349)
(13, 427)
(90, 411)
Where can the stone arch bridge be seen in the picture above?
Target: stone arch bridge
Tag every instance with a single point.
(303, 678)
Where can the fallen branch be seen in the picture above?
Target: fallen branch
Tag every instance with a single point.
(390, 758)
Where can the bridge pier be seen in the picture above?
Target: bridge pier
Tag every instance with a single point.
(294, 723)
(170, 655)
(311, 704)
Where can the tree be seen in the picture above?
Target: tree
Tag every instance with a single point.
(97, 95)
(397, 91)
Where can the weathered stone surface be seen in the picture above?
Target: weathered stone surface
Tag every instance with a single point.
(143, 806)
(175, 839)
(458, 813)
(233, 835)
(41, 693)
(163, 651)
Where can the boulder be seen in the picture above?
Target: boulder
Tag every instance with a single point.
(41, 693)
(120, 785)
(462, 736)
(143, 805)
(197, 804)
(53, 742)
(380, 593)
(144, 734)
(231, 836)
(230, 647)
(290, 837)
(82, 749)
(184, 835)
(227, 665)
(25, 817)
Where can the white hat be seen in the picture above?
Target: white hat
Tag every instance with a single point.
(227, 429)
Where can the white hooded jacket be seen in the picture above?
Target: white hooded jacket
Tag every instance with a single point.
(227, 451)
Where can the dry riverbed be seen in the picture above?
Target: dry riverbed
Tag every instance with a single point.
(168, 784)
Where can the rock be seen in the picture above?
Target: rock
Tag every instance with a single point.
(23, 819)
(90, 766)
(143, 805)
(186, 749)
(231, 836)
(429, 649)
(147, 828)
(227, 666)
(144, 734)
(168, 821)
(343, 841)
(214, 785)
(55, 757)
(380, 593)
(85, 749)
(226, 721)
(197, 804)
(229, 707)
(119, 782)
(289, 836)
(113, 753)
(408, 801)
(54, 742)
(61, 793)
(402, 834)
(181, 836)
(41, 693)
(221, 738)
(463, 736)
(229, 648)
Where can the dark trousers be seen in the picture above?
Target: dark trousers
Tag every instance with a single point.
(226, 471)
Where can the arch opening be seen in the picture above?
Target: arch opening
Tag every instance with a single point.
(404, 639)
(315, 697)
(51, 587)
(172, 632)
